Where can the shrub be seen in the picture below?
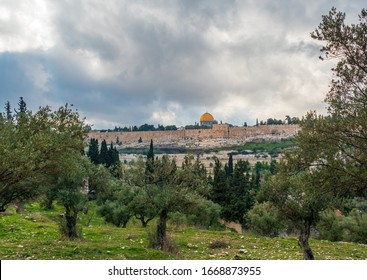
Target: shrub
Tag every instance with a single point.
(115, 213)
(206, 215)
(263, 219)
(330, 226)
(349, 228)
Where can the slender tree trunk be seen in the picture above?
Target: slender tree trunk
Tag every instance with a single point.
(161, 229)
(303, 242)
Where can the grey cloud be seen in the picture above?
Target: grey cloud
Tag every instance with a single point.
(124, 62)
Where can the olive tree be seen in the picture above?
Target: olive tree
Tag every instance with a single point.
(32, 146)
(331, 159)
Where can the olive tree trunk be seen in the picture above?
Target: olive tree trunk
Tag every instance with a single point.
(161, 229)
(303, 242)
(71, 216)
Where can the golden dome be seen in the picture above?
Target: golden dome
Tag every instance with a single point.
(206, 117)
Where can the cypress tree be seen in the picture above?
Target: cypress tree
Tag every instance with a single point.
(9, 116)
(230, 166)
(93, 151)
(150, 155)
(104, 153)
(149, 165)
(22, 106)
(219, 191)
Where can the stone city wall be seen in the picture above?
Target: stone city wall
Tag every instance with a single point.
(219, 131)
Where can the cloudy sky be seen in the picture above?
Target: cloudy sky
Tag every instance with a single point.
(166, 62)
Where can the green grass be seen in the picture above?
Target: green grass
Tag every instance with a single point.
(35, 235)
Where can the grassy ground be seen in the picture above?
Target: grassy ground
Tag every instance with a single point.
(35, 235)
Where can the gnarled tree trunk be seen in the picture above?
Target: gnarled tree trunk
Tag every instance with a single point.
(71, 216)
(303, 242)
(161, 229)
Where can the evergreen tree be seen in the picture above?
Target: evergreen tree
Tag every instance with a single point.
(219, 190)
(273, 167)
(199, 167)
(114, 163)
(93, 151)
(22, 106)
(8, 113)
(149, 165)
(110, 156)
(230, 165)
(232, 189)
(150, 155)
(256, 175)
(103, 155)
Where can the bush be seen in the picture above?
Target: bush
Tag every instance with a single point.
(115, 213)
(206, 215)
(178, 219)
(263, 219)
(330, 226)
(349, 228)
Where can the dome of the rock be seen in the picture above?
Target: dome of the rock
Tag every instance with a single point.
(206, 117)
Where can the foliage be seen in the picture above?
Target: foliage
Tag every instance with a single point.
(165, 189)
(144, 127)
(114, 198)
(32, 147)
(349, 227)
(234, 188)
(264, 219)
(103, 155)
(69, 191)
(93, 151)
(343, 135)
(330, 161)
(8, 114)
(205, 215)
(300, 196)
(107, 156)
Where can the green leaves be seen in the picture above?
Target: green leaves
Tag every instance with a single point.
(32, 148)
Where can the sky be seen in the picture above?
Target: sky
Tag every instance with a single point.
(123, 63)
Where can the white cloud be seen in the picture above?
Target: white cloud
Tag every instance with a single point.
(25, 25)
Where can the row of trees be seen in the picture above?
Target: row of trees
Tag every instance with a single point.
(235, 187)
(153, 189)
(271, 121)
(144, 127)
(107, 156)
